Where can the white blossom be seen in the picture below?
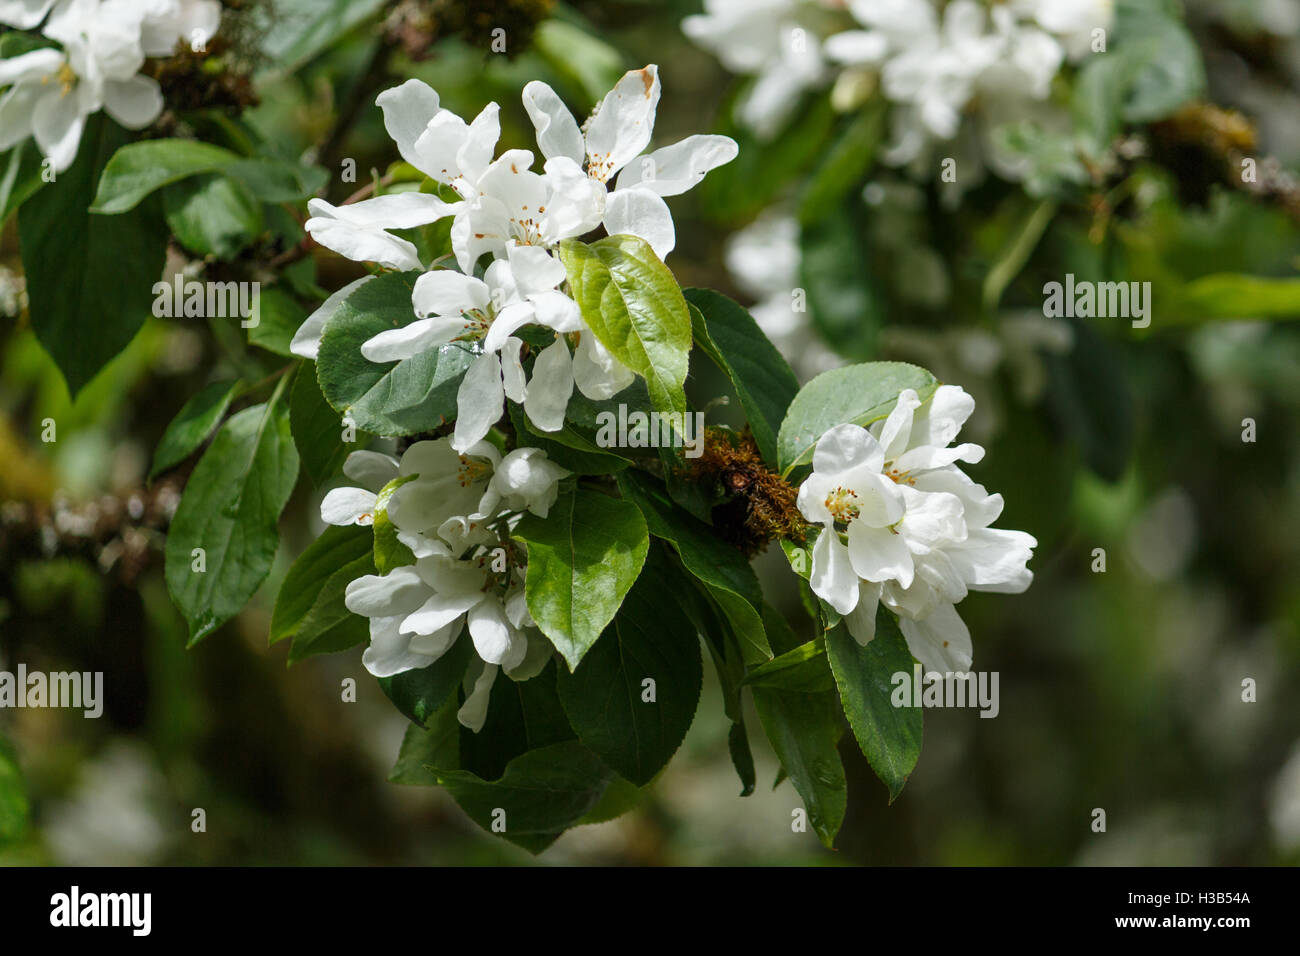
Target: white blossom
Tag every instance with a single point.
(903, 525)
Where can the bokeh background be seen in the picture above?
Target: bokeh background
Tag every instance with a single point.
(1120, 690)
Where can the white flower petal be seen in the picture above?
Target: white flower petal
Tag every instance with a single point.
(878, 554)
(135, 103)
(306, 341)
(861, 621)
(550, 387)
(639, 212)
(479, 401)
(557, 130)
(473, 713)
(348, 506)
(941, 642)
(623, 122)
(408, 109)
(371, 469)
(832, 577)
(439, 611)
(675, 169)
(394, 345)
(596, 372)
(492, 634)
(390, 651)
(399, 592)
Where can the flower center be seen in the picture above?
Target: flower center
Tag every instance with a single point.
(471, 471)
(841, 507)
(898, 477)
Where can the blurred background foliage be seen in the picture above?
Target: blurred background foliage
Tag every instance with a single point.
(1120, 689)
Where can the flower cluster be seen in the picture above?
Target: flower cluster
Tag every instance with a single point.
(49, 92)
(933, 59)
(454, 512)
(903, 525)
(517, 217)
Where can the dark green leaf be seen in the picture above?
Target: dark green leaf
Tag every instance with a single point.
(212, 215)
(192, 425)
(275, 318)
(889, 736)
(605, 697)
(419, 694)
(89, 279)
(582, 560)
(230, 510)
(396, 398)
(334, 550)
(317, 428)
(764, 381)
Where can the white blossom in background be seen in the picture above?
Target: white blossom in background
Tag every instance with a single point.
(516, 216)
(49, 93)
(902, 525)
(937, 62)
(763, 260)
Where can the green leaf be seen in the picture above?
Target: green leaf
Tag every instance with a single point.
(429, 748)
(804, 730)
(1163, 59)
(192, 425)
(860, 394)
(802, 669)
(724, 571)
(652, 639)
(317, 428)
(1234, 296)
(299, 30)
(89, 280)
(582, 560)
(541, 793)
(521, 716)
(138, 169)
(13, 796)
(329, 626)
(421, 693)
(230, 509)
(396, 398)
(802, 721)
(334, 550)
(212, 215)
(889, 736)
(763, 379)
(276, 316)
(21, 177)
(389, 552)
(632, 303)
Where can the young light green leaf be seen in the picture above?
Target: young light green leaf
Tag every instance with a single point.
(138, 169)
(582, 560)
(224, 536)
(633, 305)
(389, 551)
